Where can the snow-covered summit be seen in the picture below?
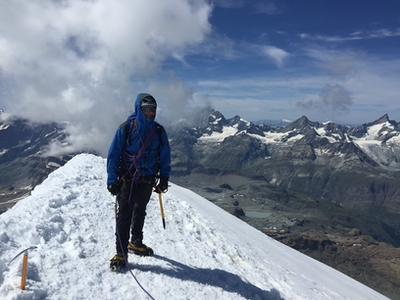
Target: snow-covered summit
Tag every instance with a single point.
(204, 252)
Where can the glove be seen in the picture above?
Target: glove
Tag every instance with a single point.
(113, 188)
(162, 185)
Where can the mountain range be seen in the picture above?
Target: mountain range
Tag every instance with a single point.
(354, 167)
(328, 190)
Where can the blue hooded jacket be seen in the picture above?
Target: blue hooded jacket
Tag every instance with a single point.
(156, 158)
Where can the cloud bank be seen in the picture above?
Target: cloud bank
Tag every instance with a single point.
(85, 61)
(332, 99)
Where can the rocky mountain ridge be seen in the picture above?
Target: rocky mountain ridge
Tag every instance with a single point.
(355, 167)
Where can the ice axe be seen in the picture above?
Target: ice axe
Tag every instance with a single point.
(24, 265)
(161, 205)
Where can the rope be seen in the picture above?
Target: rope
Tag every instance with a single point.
(132, 161)
(125, 257)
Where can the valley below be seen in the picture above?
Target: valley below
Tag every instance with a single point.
(344, 239)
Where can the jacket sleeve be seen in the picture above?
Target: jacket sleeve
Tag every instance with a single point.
(114, 155)
(165, 155)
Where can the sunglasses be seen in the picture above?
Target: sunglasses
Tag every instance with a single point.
(148, 109)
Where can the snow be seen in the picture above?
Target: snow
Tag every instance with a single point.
(268, 138)
(374, 132)
(321, 131)
(272, 137)
(4, 126)
(52, 165)
(217, 121)
(384, 153)
(204, 252)
(245, 121)
(218, 136)
(50, 133)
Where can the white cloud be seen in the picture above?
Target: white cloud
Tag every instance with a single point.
(354, 36)
(276, 54)
(76, 60)
(268, 8)
(333, 98)
(341, 86)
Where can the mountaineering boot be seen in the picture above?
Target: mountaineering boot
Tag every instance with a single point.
(117, 262)
(141, 249)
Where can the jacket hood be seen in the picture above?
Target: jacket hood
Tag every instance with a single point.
(142, 123)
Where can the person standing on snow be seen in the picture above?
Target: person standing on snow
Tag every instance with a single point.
(138, 153)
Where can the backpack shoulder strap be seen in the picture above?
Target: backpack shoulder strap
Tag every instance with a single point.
(127, 128)
(160, 130)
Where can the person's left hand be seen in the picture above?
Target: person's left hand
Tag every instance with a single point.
(162, 185)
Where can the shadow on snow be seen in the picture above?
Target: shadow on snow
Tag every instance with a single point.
(212, 277)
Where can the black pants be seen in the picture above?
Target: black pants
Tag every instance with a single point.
(132, 211)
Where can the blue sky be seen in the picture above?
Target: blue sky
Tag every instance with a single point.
(328, 60)
(84, 61)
